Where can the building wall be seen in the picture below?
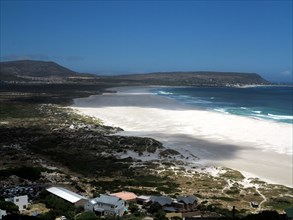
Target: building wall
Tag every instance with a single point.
(106, 207)
(110, 209)
(120, 211)
(81, 202)
(20, 201)
(89, 206)
(173, 214)
(2, 213)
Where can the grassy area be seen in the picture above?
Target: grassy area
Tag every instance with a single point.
(216, 194)
(233, 175)
(141, 184)
(61, 94)
(25, 172)
(75, 143)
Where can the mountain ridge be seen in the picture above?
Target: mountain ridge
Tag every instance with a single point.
(193, 78)
(35, 68)
(29, 70)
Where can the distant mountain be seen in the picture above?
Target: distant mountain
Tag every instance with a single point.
(201, 78)
(41, 71)
(33, 68)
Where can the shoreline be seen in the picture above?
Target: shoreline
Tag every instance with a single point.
(182, 128)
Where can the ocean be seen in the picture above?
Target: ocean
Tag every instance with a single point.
(264, 102)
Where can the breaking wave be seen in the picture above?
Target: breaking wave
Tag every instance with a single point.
(266, 103)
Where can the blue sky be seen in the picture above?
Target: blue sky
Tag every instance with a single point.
(146, 36)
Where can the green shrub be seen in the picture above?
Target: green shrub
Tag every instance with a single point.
(29, 173)
(87, 216)
(9, 207)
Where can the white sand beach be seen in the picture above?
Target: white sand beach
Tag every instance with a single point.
(256, 147)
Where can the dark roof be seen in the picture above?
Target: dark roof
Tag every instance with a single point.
(187, 199)
(106, 199)
(162, 200)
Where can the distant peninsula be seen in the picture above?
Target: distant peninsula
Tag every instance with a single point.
(29, 71)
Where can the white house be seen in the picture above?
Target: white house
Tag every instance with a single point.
(20, 201)
(2, 213)
(106, 205)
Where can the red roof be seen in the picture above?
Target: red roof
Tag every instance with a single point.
(125, 195)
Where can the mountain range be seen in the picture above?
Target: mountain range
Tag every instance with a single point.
(32, 71)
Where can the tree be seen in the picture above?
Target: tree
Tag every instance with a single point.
(56, 203)
(160, 215)
(52, 214)
(155, 207)
(10, 207)
(87, 216)
(133, 207)
(265, 215)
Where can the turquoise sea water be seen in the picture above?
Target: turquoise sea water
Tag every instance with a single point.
(267, 103)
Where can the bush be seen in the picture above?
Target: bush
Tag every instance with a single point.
(155, 207)
(265, 215)
(160, 215)
(9, 207)
(133, 207)
(87, 216)
(56, 203)
(29, 173)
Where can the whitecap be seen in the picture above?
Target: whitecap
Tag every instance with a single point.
(165, 93)
(280, 117)
(257, 112)
(221, 110)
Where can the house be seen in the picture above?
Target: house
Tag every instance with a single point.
(143, 200)
(20, 201)
(289, 213)
(189, 202)
(106, 205)
(68, 195)
(165, 202)
(161, 200)
(176, 207)
(181, 204)
(2, 213)
(126, 196)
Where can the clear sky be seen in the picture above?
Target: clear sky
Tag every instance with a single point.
(147, 36)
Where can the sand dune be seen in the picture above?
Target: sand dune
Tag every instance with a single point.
(256, 147)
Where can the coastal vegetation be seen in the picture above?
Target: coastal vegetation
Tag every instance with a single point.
(45, 142)
(52, 140)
